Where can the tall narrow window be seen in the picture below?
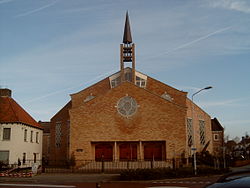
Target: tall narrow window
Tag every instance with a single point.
(34, 157)
(190, 132)
(58, 134)
(25, 135)
(24, 158)
(6, 133)
(37, 136)
(202, 132)
(31, 136)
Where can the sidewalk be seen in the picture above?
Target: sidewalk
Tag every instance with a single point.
(95, 178)
(63, 178)
(234, 169)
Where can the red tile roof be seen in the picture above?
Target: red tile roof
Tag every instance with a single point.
(11, 112)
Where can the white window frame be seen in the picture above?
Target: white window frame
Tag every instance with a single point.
(218, 137)
(25, 135)
(31, 136)
(9, 135)
(37, 137)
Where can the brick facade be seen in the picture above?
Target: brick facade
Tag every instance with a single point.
(98, 121)
(87, 123)
(60, 153)
(148, 122)
(218, 137)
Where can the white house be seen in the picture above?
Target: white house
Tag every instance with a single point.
(20, 135)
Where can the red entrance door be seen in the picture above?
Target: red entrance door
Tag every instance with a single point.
(128, 151)
(153, 151)
(104, 152)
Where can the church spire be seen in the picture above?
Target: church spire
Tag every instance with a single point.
(127, 53)
(127, 37)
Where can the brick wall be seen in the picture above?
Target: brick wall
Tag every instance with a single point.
(156, 119)
(196, 115)
(218, 143)
(98, 120)
(62, 152)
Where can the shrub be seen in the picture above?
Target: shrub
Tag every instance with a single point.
(165, 173)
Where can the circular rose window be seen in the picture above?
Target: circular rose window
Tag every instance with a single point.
(127, 106)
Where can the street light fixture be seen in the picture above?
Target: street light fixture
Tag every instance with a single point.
(209, 87)
(194, 148)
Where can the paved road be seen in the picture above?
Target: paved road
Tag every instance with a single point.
(106, 185)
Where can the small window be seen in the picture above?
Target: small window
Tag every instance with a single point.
(88, 98)
(6, 133)
(35, 157)
(166, 96)
(216, 137)
(37, 136)
(115, 82)
(25, 135)
(24, 158)
(4, 157)
(140, 82)
(31, 136)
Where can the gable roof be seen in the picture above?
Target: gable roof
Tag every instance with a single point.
(216, 126)
(12, 112)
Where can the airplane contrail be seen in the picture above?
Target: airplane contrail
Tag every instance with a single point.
(197, 40)
(75, 86)
(36, 10)
(192, 42)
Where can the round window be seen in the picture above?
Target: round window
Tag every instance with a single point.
(127, 106)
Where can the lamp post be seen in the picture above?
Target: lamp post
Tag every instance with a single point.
(194, 148)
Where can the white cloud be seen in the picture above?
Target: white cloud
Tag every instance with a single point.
(236, 5)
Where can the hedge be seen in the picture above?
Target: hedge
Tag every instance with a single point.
(165, 173)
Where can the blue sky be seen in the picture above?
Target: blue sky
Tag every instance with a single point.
(52, 48)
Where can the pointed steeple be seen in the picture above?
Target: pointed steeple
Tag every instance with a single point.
(127, 53)
(127, 37)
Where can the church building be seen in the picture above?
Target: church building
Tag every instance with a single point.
(129, 116)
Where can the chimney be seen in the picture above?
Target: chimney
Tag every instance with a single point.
(5, 92)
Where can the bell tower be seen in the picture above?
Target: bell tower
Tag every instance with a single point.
(127, 53)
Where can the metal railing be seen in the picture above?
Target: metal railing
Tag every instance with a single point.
(84, 166)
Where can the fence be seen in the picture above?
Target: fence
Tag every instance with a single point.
(107, 166)
(20, 164)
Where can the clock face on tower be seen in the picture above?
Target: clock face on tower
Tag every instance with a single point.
(127, 106)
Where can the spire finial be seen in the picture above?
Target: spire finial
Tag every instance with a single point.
(127, 37)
